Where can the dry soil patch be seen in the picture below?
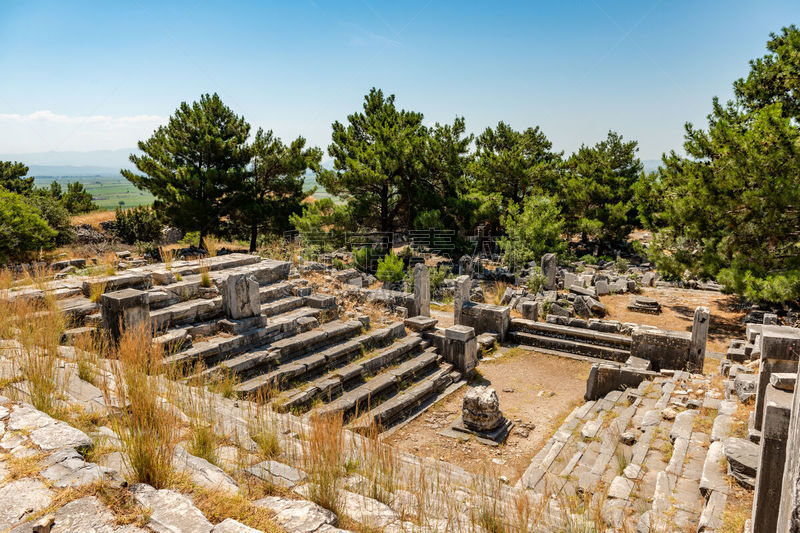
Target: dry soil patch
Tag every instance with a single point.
(677, 313)
(536, 392)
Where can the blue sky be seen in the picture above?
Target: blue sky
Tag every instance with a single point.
(84, 75)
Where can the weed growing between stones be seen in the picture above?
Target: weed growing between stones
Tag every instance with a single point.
(263, 427)
(205, 278)
(378, 465)
(87, 347)
(147, 426)
(167, 255)
(39, 326)
(198, 406)
(323, 459)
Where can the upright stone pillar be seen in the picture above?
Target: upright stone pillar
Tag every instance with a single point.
(240, 297)
(422, 290)
(789, 512)
(461, 348)
(461, 297)
(771, 462)
(549, 269)
(124, 309)
(697, 349)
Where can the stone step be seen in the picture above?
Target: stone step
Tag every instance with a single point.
(549, 463)
(407, 400)
(281, 305)
(567, 332)
(569, 346)
(275, 291)
(186, 312)
(374, 389)
(334, 382)
(301, 368)
(217, 347)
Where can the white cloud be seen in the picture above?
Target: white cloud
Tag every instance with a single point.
(45, 131)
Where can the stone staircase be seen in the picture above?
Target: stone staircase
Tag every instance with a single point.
(644, 456)
(570, 340)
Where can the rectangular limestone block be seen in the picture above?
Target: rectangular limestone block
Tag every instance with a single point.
(664, 349)
(124, 309)
(780, 342)
(486, 318)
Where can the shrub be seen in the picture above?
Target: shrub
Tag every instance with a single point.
(390, 268)
(532, 231)
(622, 265)
(137, 224)
(589, 259)
(54, 213)
(338, 264)
(22, 229)
(536, 280)
(365, 258)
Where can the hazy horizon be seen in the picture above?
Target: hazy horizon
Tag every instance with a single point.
(88, 80)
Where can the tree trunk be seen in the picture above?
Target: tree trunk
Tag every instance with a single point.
(385, 207)
(202, 243)
(253, 236)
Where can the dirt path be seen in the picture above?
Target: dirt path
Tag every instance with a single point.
(536, 392)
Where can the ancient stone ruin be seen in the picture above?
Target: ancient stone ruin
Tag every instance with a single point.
(651, 445)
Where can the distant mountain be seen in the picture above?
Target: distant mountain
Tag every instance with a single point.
(651, 165)
(103, 162)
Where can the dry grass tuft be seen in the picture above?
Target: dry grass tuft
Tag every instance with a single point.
(211, 245)
(96, 290)
(38, 326)
(205, 278)
(147, 426)
(263, 427)
(167, 255)
(323, 459)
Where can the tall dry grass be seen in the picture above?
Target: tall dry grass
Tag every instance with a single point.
(211, 245)
(263, 426)
(147, 426)
(37, 325)
(167, 256)
(324, 459)
(205, 277)
(198, 405)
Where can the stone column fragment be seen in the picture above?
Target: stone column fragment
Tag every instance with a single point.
(422, 290)
(697, 349)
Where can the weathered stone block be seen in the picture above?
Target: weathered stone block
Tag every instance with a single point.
(530, 310)
(481, 409)
(549, 269)
(606, 378)
(664, 349)
(486, 318)
(697, 350)
(769, 479)
(422, 290)
(461, 348)
(240, 297)
(124, 309)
